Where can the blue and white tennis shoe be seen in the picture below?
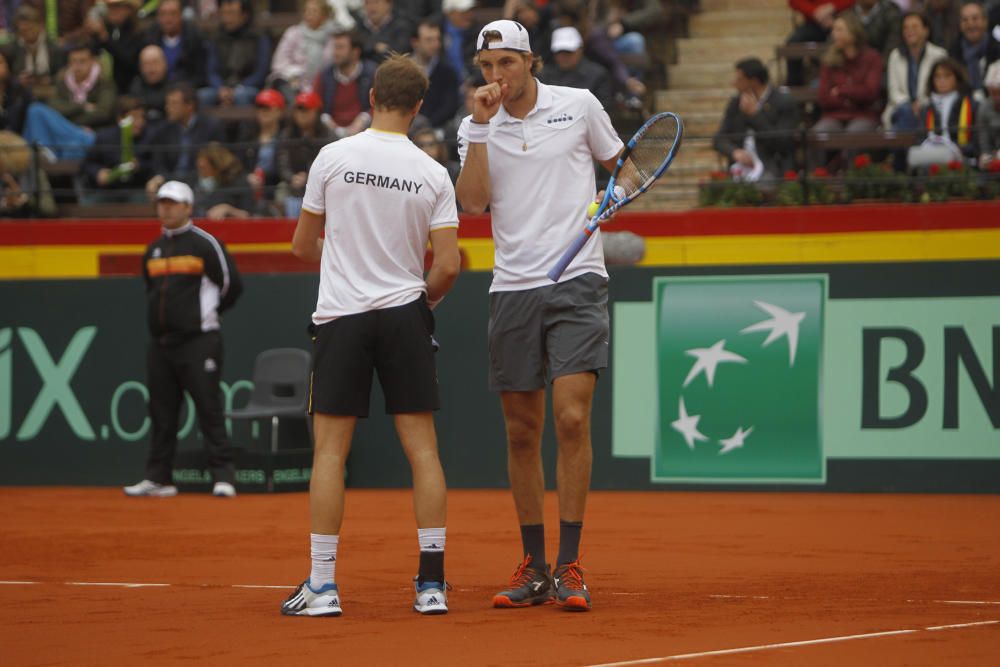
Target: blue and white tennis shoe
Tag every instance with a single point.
(308, 602)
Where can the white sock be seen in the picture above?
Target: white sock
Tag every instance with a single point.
(431, 539)
(324, 559)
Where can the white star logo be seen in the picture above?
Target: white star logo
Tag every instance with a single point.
(735, 442)
(708, 360)
(782, 323)
(687, 425)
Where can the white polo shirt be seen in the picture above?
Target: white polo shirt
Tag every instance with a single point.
(541, 181)
(381, 196)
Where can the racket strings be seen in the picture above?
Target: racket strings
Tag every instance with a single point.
(643, 164)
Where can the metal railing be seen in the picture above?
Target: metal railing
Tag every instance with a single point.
(699, 175)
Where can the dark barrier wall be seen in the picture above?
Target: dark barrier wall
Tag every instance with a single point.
(72, 382)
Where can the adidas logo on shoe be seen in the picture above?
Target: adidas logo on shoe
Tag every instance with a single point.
(304, 601)
(432, 597)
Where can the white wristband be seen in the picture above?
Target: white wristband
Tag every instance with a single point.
(478, 132)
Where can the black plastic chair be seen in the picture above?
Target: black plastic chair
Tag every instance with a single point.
(280, 390)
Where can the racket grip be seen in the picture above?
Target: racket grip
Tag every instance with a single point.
(568, 256)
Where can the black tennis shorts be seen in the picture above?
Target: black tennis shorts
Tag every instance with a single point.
(393, 342)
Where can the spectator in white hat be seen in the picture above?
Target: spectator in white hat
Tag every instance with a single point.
(190, 280)
(571, 68)
(601, 49)
(458, 33)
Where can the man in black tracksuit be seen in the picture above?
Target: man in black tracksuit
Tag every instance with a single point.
(190, 279)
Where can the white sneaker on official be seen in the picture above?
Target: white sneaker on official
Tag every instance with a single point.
(224, 490)
(432, 597)
(149, 488)
(307, 602)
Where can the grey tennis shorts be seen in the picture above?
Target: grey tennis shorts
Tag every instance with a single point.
(540, 334)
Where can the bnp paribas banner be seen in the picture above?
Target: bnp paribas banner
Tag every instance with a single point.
(763, 379)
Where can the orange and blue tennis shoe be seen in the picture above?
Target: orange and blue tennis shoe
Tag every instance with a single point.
(571, 591)
(528, 586)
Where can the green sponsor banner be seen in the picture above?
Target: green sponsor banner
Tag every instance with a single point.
(893, 379)
(634, 412)
(909, 389)
(738, 366)
(913, 378)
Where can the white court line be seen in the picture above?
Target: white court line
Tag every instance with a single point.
(967, 601)
(808, 642)
(18, 583)
(934, 628)
(115, 583)
(258, 586)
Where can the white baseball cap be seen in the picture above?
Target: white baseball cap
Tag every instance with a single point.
(566, 39)
(513, 36)
(176, 191)
(457, 5)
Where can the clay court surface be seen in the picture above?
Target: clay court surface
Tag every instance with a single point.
(882, 579)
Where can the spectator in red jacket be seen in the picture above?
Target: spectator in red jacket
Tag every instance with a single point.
(850, 83)
(850, 80)
(817, 22)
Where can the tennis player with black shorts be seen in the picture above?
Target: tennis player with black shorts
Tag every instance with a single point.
(527, 152)
(379, 199)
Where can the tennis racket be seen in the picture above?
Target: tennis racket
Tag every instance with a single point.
(646, 156)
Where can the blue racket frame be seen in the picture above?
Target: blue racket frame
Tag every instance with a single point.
(610, 204)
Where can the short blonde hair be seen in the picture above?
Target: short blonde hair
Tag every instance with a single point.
(400, 84)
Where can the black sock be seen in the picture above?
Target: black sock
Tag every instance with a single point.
(431, 567)
(569, 541)
(533, 540)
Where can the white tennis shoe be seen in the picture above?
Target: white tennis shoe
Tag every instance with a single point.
(152, 489)
(307, 602)
(432, 597)
(224, 490)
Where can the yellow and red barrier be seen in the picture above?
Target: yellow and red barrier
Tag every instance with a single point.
(816, 234)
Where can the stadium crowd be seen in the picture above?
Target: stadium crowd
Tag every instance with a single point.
(236, 97)
(930, 69)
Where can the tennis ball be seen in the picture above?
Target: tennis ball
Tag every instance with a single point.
(592, 209)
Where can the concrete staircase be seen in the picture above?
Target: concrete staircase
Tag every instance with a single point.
(700, 86)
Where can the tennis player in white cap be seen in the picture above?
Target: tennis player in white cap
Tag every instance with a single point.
(527, 153)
